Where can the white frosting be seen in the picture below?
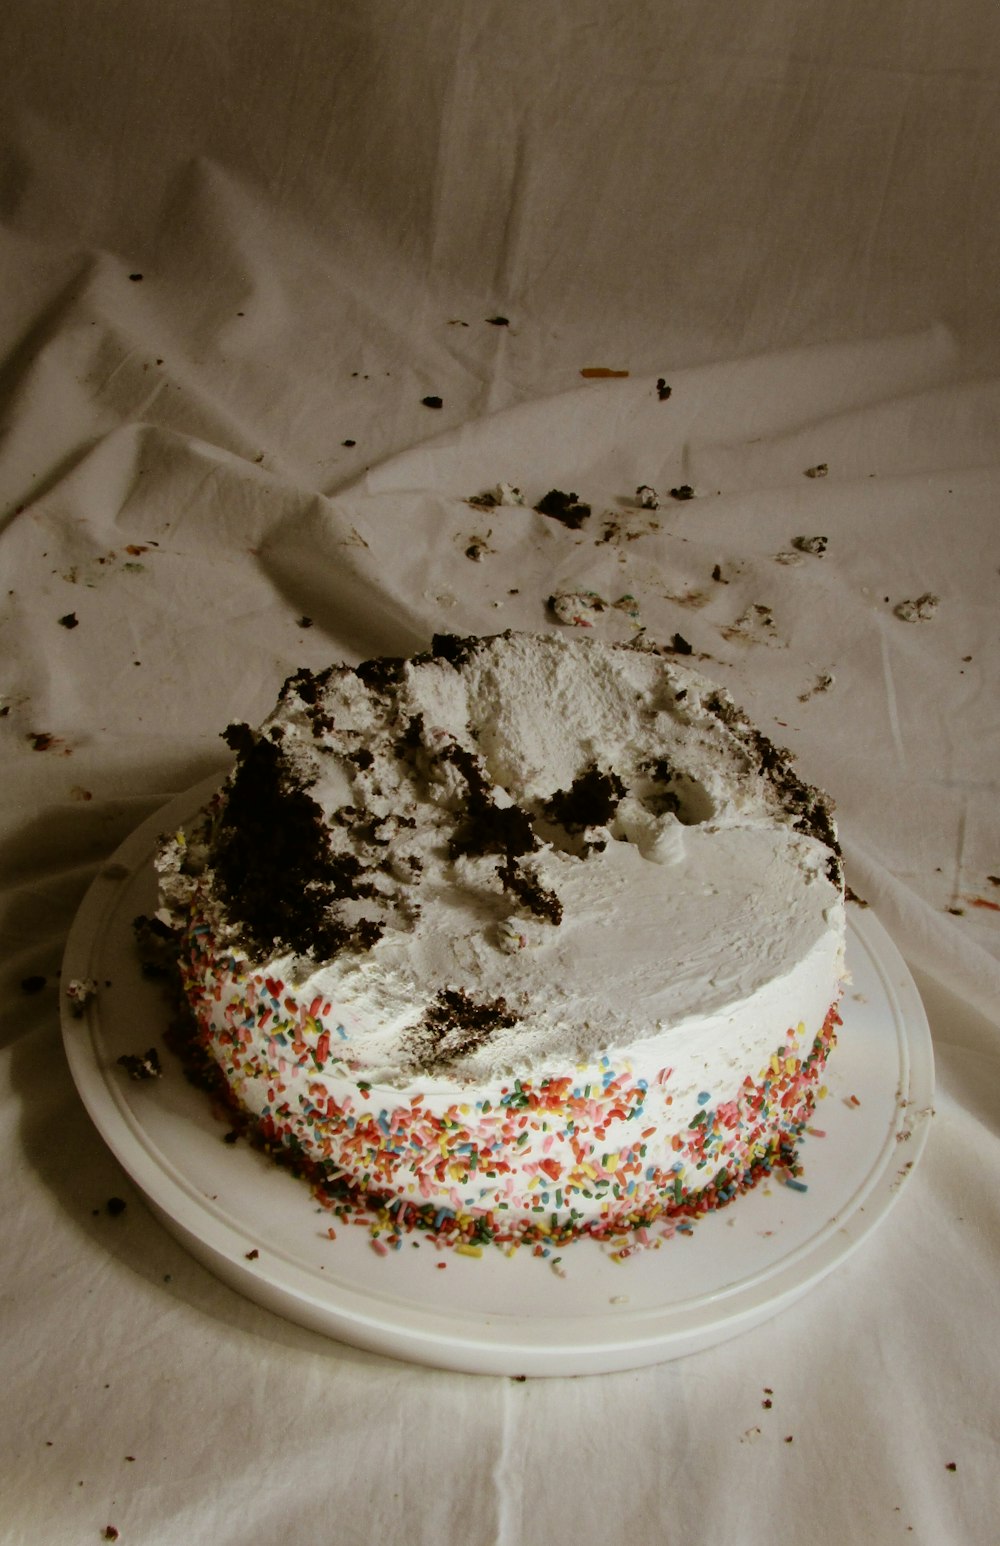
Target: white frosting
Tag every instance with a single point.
(697, 927)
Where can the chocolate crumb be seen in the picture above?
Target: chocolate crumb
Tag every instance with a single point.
(348, 442)
(69, 621)
(381, 672)
(528, 889)
(33, 984)
(456, 1024)
(662, 390)
(811, 810)
(115, 1206)
(453, 648)
(684, 491)
(498, 321)
(252, 1255)
(680, 645)
(951, 1466)
(567, 508)
(432, 402)
(274, 863)
(305, 622)
(141, 1066)
(590, 801)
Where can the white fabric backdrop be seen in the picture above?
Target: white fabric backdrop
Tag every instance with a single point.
(239, 245)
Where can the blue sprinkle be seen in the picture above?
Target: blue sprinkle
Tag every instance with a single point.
(703, 1097)
(796, 1186)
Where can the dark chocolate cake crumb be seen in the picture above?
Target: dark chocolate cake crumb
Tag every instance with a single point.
(70, 620)
(811, 809)
(530, 892)
(453, 648)
(567, 508)
(381, 672)
(590, 801)
(488, 828)
(432, 402)
(144, 1065)
(664, 798)
(683, 491)
(273, 861)
(662, 390)
(455, 1024)
(156, 943)
(680, 645)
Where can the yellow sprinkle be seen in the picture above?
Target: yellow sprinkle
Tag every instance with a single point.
(822, 1092)
(468, 1250)
(612, 1161)
(791, 1065)
(775, 1063)
(801, 1028)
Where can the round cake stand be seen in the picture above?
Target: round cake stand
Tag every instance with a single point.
(578, 1311)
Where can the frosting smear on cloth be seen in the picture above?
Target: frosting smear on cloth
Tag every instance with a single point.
(521, 939)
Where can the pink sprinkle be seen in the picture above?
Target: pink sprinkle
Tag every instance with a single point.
(380, 1248)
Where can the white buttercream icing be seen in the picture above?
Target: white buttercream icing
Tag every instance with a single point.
(679, 935)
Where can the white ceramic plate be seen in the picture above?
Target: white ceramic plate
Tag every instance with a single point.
(496, 1314)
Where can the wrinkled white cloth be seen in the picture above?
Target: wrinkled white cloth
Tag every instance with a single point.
(283, 288)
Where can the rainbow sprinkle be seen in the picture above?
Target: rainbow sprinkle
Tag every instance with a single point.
(546, 1162)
